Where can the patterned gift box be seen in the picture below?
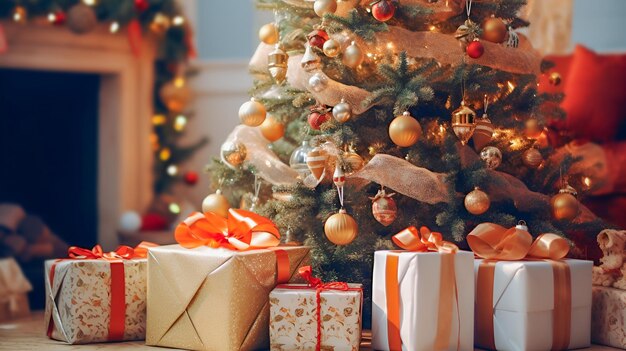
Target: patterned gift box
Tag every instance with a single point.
(14, 288)
(608, 317)
(90, 298)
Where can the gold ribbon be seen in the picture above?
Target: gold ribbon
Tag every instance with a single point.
(423, 241)
(496, 243)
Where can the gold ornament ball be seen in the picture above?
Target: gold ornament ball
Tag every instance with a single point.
(272, 129)
(533, 129)
(269, 34)
(477, 202)
(233, 154)
(405, 130)
(175, 95)
(81, 19)
(216, 203)
(532, 158)
(331, 48)
(341, 228)
(322, 7)
(342, 111)
(252, 113)
(494, 30)
(564, 206)
(555, 78)
(354, 160)
(353, 56)
(160, 24)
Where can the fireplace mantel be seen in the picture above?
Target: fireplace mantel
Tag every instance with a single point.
(124, 156)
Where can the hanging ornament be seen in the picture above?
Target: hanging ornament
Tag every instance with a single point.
(317, 38)
(318, 82)
(512, 38)
(269, 34)
(565, 206)
(252, 113)
(233, 153)
(316, 161)
(477, 202)
(254, 201)
(297, 161)
(81, 18)
(160, 24)
(341, 228)
(19, 14)
(310, 61)
(191, 177)
(475, 49)
(342, 111)
(533, 129)
(405, 130)
(322, 7)
(532, 158)
(484, 129)
(494, 30)
(469, 30)
(319, 114)
(141, 5)
(555, 78)
(272, 129)
(384, 207)
(464, 123)
(216, 203)
(353, 56)
(331, 48)
(57, 17)
(492, 157)
(339, 178)
(175, 95)
(353, 160)
(383, 10)
(277, 64)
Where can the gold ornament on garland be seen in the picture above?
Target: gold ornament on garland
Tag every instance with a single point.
(342, 111)
(269, 34)
(555, 78)
(233, 153)
(353, 56)
(160, 24)
(464, 123)
(252, 113)
(19, 14)
(322, 7)
(384, 207)
(341, 228)
(494, 30)
(81, 19)
(477, 202)
(216, 203)
(277, 64)
(175, 95)
(405, 130)
(532, 158)
(565, 206)
(272, 129)
(331, 48)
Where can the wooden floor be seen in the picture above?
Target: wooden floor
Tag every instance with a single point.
(28, 334)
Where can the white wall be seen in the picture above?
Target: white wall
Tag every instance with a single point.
(600, 24)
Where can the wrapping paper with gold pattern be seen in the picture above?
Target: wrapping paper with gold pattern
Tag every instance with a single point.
(79, 300)
(608, 317)
(419, 275)
(293, 319)
(523, 304)
(213, 299)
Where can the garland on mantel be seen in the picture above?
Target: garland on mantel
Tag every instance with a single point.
(163, 20)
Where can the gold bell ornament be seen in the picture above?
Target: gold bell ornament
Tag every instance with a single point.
(216, 203)
(477, 202)
(384, 207)
(252, 113)
(405, 130)
(565, 206)
(353, 55)
(464, 123)
(277, 64)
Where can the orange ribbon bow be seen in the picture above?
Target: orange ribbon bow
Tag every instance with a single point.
(242, 230)
(122, 252)
(424, 240)
(496, 243)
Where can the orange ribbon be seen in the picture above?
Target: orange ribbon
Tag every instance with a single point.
(496, 243)
(423, 241)
(117, 318)
(242, 230)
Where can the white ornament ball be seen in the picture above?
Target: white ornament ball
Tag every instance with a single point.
(318, 82)
(130, 222)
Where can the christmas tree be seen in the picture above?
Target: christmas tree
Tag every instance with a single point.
(399, 113)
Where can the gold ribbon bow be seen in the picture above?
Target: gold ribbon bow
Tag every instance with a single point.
(424, 240)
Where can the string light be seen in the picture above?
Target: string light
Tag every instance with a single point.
(90, 2)
(172, 170)
(174, 208)
(179, 82)
(115, 27)
(154, 141)
(179, 123)
(52, 17)
(587, 182)
(178, 20)
(159, 120)
(511, 86)
(165, 154)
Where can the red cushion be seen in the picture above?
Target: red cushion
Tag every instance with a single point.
(561, 66)
(595, 94)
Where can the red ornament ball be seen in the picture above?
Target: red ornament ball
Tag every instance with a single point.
(191, 178)
(318, 117)
(383, 10)
(475, 49)
(317, 38)
(59, 17)
(141, 5)
(153, 221)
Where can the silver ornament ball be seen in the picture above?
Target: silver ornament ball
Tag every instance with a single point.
(318, 82)
(492, 157)
(342, 111)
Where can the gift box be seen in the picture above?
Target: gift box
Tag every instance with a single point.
(96, 297)
(423, 298)
(608, 317)
(316, 316)
(14, 288)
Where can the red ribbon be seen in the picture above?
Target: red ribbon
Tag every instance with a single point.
(117, 318)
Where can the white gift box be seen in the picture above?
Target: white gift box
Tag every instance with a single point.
(419, 276)
(524, 304)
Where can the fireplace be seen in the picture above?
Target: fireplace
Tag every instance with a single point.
(114, 172)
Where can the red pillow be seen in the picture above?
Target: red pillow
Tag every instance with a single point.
(595, 95)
